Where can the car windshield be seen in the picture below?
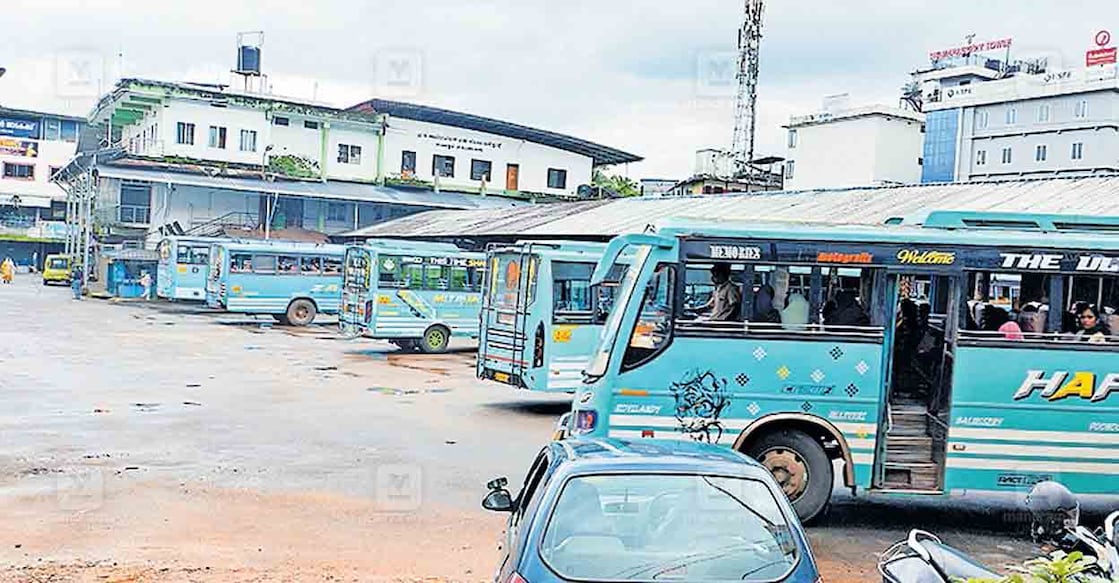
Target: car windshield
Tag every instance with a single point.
(601, 359)
(642, 527)
(58, 263)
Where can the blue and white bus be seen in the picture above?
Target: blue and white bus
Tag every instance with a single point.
(291, 281)
(417, 295)
(184, 263)
(541, 318)
(832, 355)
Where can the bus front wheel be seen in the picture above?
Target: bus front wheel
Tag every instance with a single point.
(435, 339)
(801, 467)
(301, 312)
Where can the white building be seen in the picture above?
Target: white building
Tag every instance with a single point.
(989, 123)
(196, 158)
(853, 146)
(33, 145)
(656, 186)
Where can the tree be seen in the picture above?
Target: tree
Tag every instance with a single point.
(612, 185)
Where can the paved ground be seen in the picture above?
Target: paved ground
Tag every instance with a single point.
(157, 443)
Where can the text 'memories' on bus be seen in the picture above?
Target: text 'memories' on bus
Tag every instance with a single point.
(926, 360)
(415, 294)
(292, 282)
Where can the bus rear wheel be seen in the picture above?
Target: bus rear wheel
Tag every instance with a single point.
(801, 467)
(435, 340)
(301, 312)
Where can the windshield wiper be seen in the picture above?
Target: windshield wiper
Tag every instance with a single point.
(767, 521)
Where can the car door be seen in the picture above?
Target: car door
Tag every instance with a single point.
(521, 518)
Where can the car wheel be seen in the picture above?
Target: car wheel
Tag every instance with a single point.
(435, 340)
(801, 467)
(301, 312)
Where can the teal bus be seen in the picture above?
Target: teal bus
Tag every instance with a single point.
(541, 318)
(292, 282)
(415, 294)
(859, 345)
(184, 264)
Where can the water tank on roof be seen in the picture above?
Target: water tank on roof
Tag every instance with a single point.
(248, 60)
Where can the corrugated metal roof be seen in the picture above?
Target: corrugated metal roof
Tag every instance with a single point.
(1098, 196)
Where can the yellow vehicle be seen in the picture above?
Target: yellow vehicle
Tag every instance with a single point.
(56, 269)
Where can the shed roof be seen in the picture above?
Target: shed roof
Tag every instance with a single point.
(1098, 196)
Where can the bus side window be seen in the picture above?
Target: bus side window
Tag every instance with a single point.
(653, 328)
(310, 265)
(264, 264)
(844, 296)
(332, 265)
(287, 264)
(460, 279)
(182, 254)
(412, 276)
(389, 271)
(240, 263)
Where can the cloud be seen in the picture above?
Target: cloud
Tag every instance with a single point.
(627, 73)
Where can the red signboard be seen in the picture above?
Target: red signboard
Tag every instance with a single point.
(1101, 56)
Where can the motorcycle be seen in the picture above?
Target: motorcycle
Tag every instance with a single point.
(923, 558)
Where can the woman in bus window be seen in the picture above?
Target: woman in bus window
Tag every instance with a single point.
(995, 319)
(1092, 327)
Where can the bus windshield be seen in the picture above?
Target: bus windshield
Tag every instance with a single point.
(601, 359)
(508, 277)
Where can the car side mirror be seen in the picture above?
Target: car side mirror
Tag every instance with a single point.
(498, 501)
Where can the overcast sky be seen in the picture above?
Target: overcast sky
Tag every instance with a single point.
(642, 76)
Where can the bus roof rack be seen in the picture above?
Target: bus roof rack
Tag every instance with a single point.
(1021, 222)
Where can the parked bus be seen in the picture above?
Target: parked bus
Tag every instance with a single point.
(829, 357)
(184, 264)
(291, 281)
(540, 317)
(417, 295)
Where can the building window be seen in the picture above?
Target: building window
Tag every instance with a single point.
(53, 171)
(1081, 109)
(480, 170)
(217, 137)
(407, 163)
(981, 158)
(1078, 150)
(69, 131)
(1006, 156)
(135, 202)
(184, 134)
(1040, 153)
(789, 166)
(1011, 116)
(348, 154)
(792, 139)
(1043, 113)
(311, 125)
(443, 166)
(982, 119)
(338, 211)
(19, 171)
(280, 121)
(248, 140)
(557, 178)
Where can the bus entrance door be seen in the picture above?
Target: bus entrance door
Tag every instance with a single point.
(921, 312)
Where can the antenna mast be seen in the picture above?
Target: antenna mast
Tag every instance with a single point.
(749, 42)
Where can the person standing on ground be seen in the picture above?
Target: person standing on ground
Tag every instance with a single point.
(76, 282)
(146, 283)
(7, 270)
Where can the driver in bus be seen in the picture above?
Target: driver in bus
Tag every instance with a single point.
(726, 299)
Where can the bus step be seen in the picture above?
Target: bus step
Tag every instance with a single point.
(908, 449)
(917, 475)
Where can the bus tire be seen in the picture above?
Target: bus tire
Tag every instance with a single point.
(301, 312)
(435, 340)
(801, 467)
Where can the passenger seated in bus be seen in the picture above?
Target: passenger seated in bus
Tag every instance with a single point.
(846, 311)
(726, 299)
(286, 265)
(764, 312)
(995, 319)
(1031, 320)
(310, 265)
(796, 312)
(1092, 328)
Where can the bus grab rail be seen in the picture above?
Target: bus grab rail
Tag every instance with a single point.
(618, 244)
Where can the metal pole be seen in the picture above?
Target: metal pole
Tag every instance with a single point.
(88, 228)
